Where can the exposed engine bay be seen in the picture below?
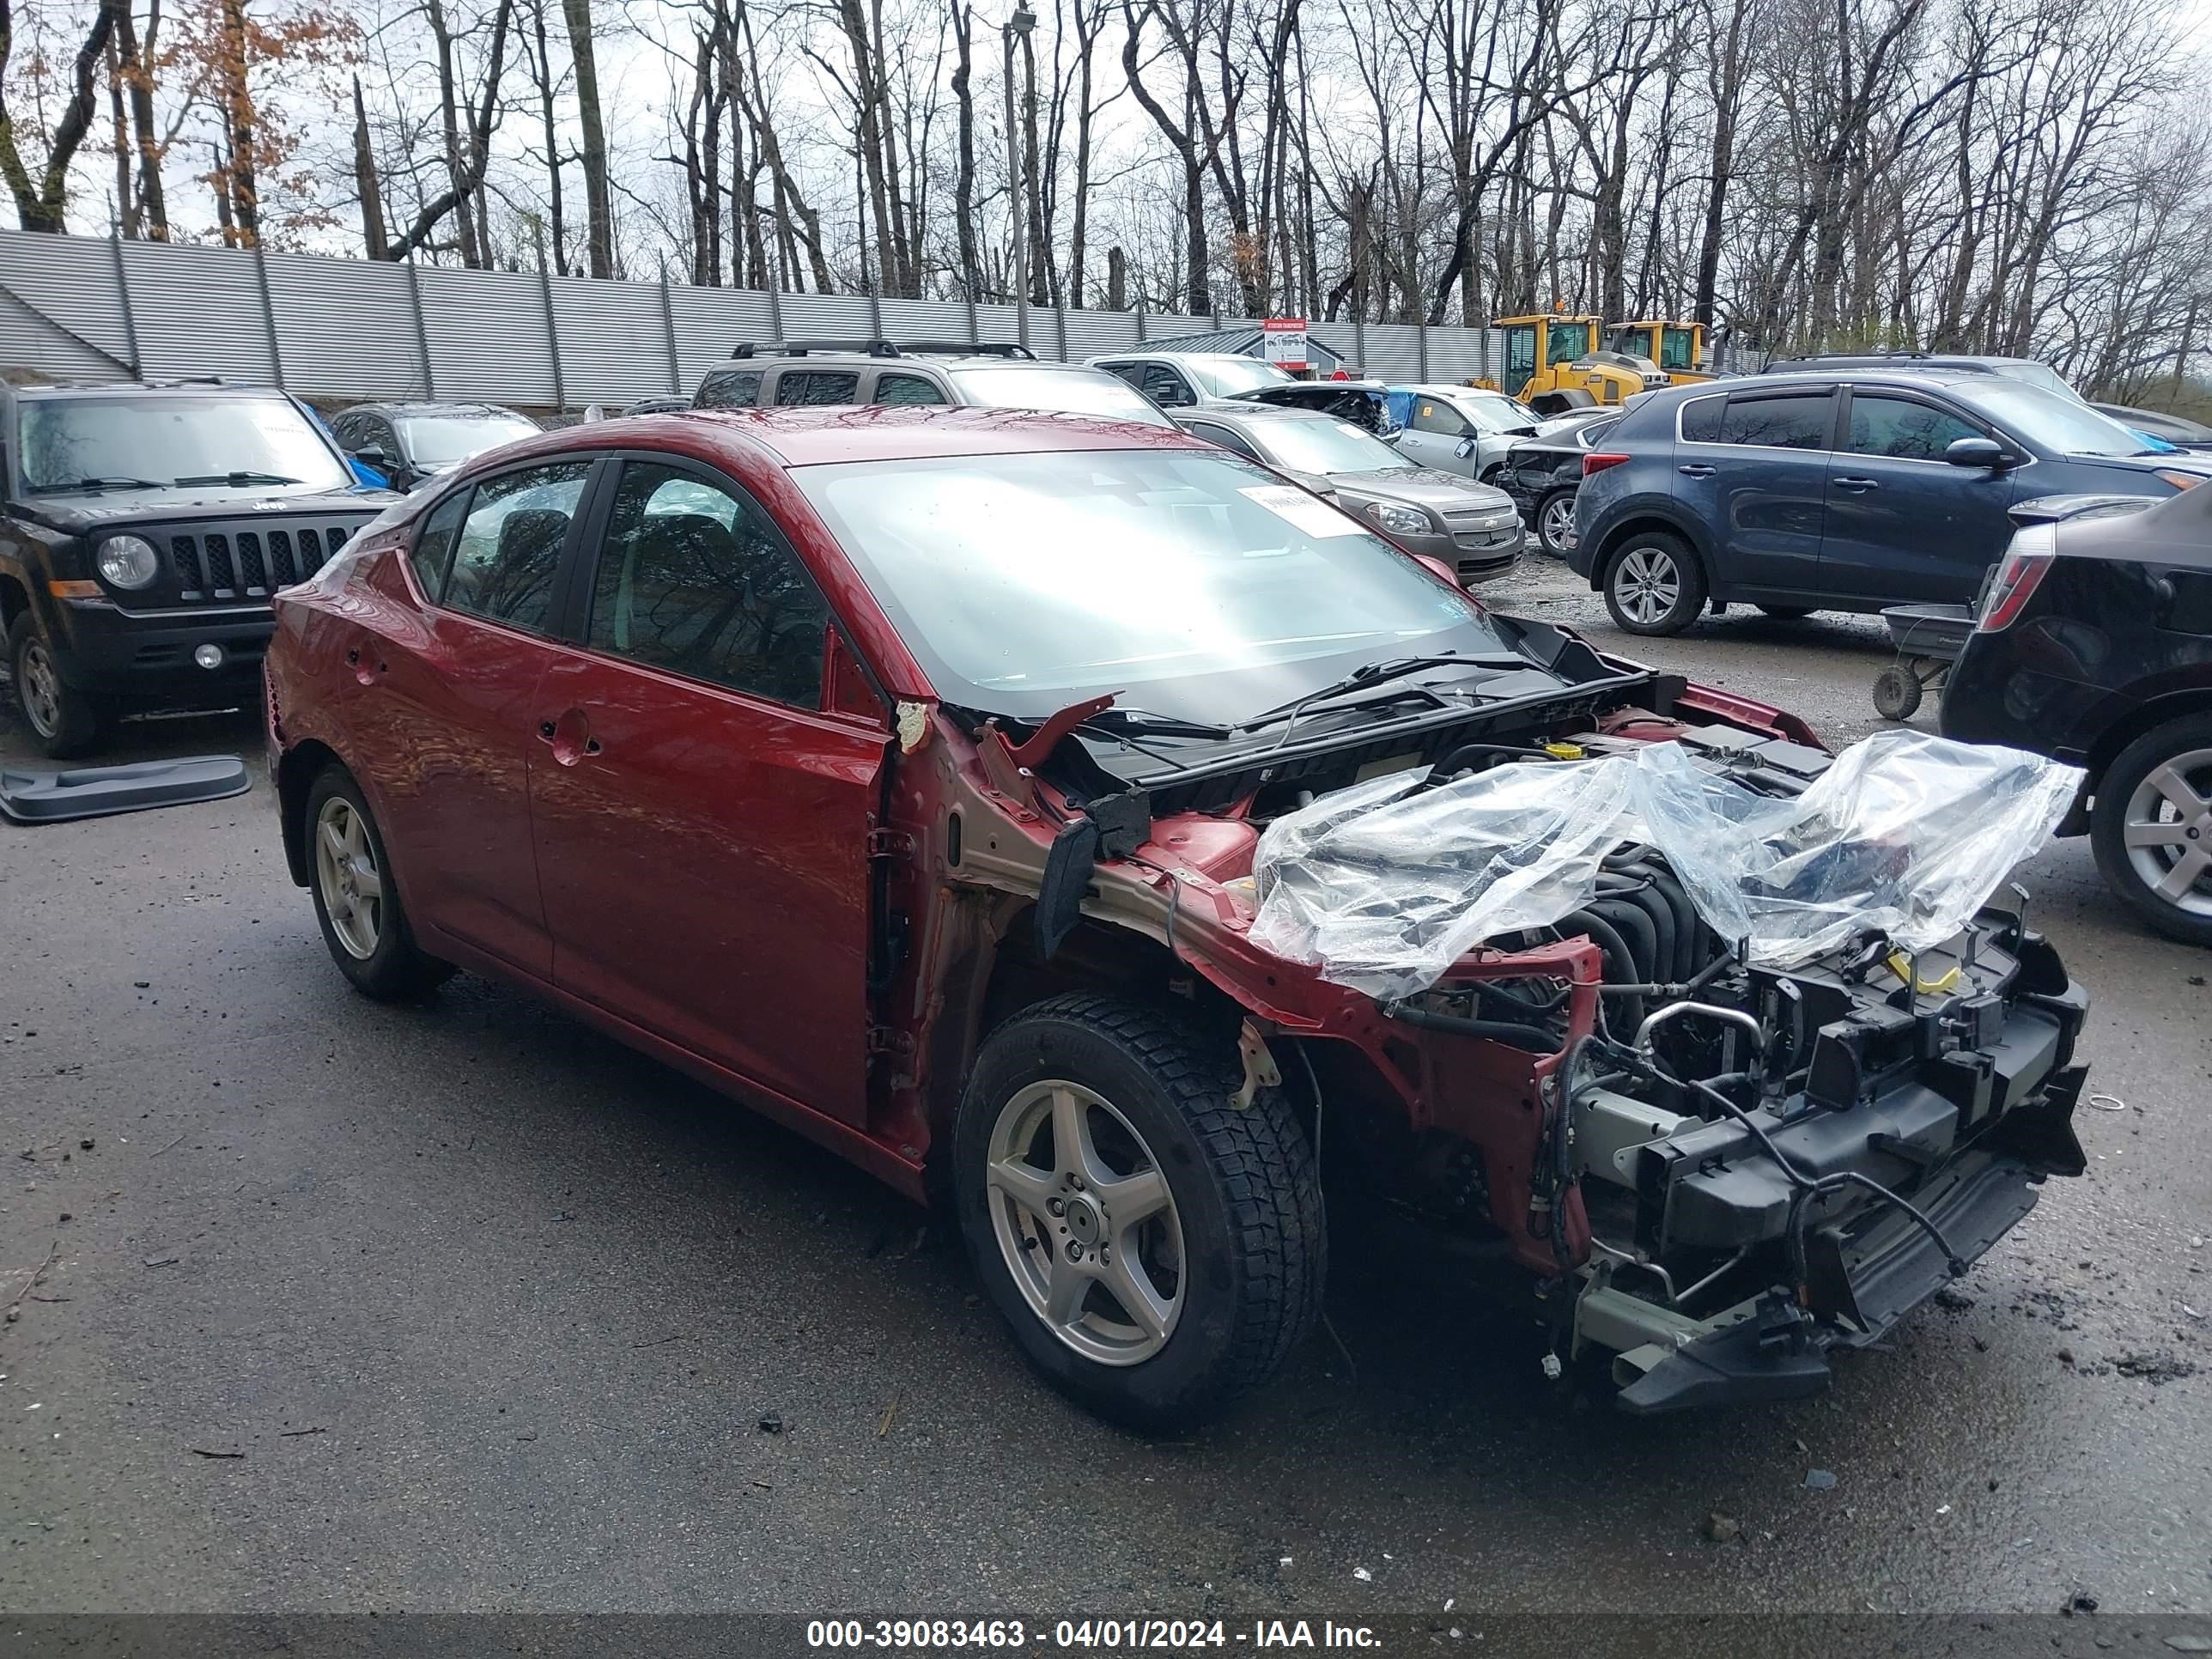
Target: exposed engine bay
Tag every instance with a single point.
(1771, 1157)
(1711, 1033)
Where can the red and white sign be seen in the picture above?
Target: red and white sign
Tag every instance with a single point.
(1283, 342)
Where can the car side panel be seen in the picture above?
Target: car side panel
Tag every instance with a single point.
(1908, 530)
(704, 856)
(1763, 510)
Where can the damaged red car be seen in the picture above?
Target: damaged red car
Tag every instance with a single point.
(901, 771)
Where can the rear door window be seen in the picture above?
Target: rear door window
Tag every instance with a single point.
(1905, 429)
(1789, 423)
(1223, 436)
(899, 388)
(510, 545)
(816, 388)
(729, 388)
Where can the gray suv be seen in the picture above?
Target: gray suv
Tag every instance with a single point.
(801, 373)
(1474, 529)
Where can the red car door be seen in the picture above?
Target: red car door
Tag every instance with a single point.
(701, 823)
(449, 708)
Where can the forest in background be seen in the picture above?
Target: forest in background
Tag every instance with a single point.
(2028, 177)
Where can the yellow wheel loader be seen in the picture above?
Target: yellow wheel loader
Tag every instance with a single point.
(1679, 349)
(1554, 365)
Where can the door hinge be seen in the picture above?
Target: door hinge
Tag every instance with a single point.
(891, 844)
(888, 1040)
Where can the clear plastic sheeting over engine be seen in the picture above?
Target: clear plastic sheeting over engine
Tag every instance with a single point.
(1906, 835)
(1383, 885)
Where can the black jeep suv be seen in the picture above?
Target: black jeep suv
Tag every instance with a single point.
(141, 530)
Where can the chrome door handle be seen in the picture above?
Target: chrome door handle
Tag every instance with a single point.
(1695, 470)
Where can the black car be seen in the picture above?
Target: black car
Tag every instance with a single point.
(1840, 489)
(410, 442)
(141, 530)
(1542, 473)
(2175, 429)
(2094, 645)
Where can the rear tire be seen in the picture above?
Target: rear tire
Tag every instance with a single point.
(358, 900)
(2151, 828)
(1654, 584)
(1219, 1271)
(1896, 692)
(65, 722)
(1555, 522)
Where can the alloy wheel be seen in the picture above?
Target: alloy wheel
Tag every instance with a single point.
(2167, 832)
(1556, 525)
(1087, 1222)
(351, 885)
(40, 689)
(1647, 584)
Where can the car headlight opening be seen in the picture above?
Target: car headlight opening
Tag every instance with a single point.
(1400, 520)
(128, 562)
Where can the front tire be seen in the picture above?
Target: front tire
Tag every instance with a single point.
(1654, 584)
(1555, 522)
(1157, 1251)
(64, 721)
(356, 900)
(2151, 828)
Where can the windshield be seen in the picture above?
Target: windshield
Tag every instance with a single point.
(1225, 376)
(2055, 420)
(161, 439)
(1070, 391)
(1495, 413)
(442, 440)
(1323, 447)
(2040, 374)
(1230, 592)
(1569, 341)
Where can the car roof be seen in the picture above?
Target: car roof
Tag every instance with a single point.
(1907, 374)
(1231, 410)
(905, 359)
(151, 389)
(455, 411)
(867, 432)
(1169, 351)
(1444, 389)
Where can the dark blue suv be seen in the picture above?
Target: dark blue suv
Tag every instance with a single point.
(1847, 489)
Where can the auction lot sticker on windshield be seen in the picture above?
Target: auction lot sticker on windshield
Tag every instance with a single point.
(1316, 518)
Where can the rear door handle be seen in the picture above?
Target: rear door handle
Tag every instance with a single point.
(1695, 470)
(1856, 486)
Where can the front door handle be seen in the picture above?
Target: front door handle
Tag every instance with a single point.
(570, 736)
(1856, 486)
(1695, 470)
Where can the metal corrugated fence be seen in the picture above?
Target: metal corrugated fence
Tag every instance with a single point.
(82, 308)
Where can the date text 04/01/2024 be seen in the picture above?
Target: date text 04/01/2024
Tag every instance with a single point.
(1100, 1634)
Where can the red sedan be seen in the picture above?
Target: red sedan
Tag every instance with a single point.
(900, 772)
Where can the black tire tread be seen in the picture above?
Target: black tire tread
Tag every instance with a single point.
(1265, 1164)
(81, 721)
(400, 970)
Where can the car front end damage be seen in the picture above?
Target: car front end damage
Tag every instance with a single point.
(1714, 1172)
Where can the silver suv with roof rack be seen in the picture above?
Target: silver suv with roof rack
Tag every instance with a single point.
(814, 374)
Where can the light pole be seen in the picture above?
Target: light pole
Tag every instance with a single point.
(1019, 24)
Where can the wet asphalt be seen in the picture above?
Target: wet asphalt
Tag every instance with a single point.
(355, 1308)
